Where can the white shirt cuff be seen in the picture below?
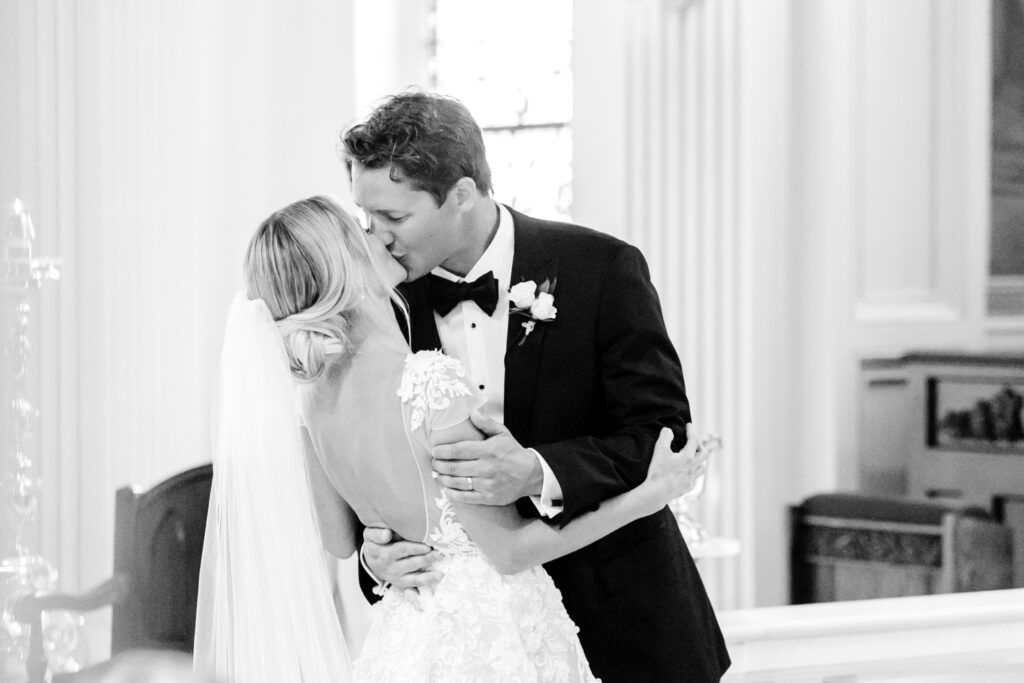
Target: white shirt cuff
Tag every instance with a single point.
(549, 502)
(381, 586)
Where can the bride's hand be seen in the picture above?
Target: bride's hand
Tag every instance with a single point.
(671, 475)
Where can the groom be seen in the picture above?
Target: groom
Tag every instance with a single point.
(578, 372)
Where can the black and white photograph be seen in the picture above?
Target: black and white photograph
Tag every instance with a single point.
(540, 341)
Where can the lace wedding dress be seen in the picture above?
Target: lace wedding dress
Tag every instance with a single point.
(369, 418)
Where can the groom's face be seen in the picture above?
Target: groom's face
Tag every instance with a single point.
(418, 233)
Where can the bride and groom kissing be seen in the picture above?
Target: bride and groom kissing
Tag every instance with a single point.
(540, 436)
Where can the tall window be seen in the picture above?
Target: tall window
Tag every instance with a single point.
(510, 63)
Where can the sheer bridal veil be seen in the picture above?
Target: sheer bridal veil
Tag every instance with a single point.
(265, 610)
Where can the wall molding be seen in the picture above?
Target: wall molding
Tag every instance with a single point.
(1005, 296)
(901, 311)
(908, 181)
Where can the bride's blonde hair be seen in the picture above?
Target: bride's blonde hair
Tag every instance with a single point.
(312, 266)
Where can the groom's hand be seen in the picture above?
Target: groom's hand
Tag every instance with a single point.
(404, 564)
(495, 471)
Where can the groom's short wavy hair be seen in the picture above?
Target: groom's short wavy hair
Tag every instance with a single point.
(431, 140)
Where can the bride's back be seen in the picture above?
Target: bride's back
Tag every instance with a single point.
(358, 426)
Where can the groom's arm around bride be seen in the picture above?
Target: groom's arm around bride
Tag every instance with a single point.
(589, 394)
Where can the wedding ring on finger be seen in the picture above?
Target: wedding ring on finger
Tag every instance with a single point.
(469, 481)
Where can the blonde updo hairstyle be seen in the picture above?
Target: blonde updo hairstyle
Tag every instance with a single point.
(311, 264)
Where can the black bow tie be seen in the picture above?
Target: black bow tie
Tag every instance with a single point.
(444, 294)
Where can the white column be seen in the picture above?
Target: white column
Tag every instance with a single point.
(390, 49)
(678, 132)
(682, 139)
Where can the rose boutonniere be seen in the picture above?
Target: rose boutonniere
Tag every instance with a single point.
(534, 302)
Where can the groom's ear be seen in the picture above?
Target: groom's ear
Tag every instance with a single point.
(464, 194)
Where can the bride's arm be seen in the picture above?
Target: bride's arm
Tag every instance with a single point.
(337, 521)
(513, 543)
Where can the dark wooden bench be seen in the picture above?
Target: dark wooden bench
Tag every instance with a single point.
(848, 546)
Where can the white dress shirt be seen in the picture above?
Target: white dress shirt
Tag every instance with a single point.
(478, 340)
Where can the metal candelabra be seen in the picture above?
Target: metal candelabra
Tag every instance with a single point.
(25, 571)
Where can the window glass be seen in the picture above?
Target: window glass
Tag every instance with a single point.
(510, 63)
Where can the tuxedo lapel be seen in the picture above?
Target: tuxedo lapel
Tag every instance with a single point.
(531, 261)
(421, 317)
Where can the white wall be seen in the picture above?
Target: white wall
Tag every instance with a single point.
(154, 138)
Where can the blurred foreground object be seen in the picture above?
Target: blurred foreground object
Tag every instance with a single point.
(158, 547)
(700, 542)
(24, 572)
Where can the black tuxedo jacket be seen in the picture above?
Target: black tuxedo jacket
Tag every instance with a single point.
(590, 390)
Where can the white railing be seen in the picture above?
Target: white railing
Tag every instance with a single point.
(937, 638)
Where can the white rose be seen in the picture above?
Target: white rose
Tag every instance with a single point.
(522, 295)
(544, 307)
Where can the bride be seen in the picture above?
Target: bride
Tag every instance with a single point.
(326, 420)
